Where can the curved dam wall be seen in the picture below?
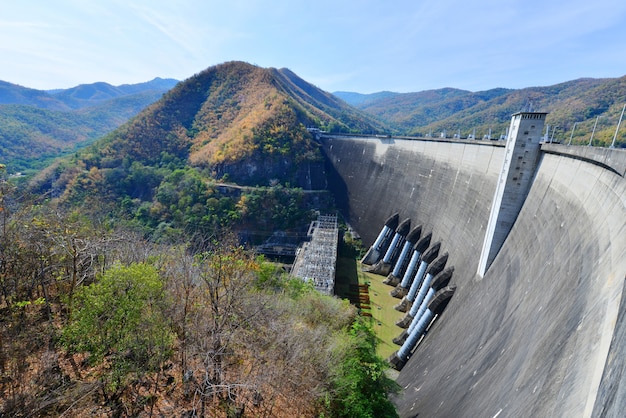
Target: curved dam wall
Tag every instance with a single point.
(543, 332)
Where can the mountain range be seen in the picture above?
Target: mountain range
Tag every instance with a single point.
(84, 95)
(177, 168)
(460, 111)
(234, 119)
(37, 125)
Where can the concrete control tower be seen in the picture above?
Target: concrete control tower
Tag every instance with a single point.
(521, 159)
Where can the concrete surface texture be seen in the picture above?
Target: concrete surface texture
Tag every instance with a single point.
(543, 333)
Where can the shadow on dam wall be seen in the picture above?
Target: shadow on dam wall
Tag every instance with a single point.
(543, 333)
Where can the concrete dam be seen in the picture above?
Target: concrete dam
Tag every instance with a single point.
(541, 332)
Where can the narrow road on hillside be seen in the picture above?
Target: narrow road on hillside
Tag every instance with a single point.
(251, 188)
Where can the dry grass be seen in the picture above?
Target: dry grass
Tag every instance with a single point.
(381, 303)
(384, 316)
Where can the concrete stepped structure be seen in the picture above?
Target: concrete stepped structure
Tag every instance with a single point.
(542, 330)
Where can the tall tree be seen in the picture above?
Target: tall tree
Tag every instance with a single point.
(120, 318)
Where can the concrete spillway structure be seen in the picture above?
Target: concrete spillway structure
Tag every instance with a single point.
(420, 246)
(420, 277)
(397, 242)
(393, 250)
(440, 281)
(435, 307)
(393, 279)
(543, 331)
(420, 299)
(379, 247)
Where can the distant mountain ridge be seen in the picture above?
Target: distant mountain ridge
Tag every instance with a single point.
(452, 110)
(16, 94)
(361, 100)
(83, 95)
(37, 124)
(86, 95)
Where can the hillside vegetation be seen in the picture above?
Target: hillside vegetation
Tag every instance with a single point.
(125, 288)
(233, 123)
(37, 126)
(578, 101)
(96, 321)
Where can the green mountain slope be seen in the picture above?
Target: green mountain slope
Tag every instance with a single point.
(234, 119)
(232, 123)
(15, 94)
(36, 125)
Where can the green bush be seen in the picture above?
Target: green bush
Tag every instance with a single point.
(360, 385)
(120, 318)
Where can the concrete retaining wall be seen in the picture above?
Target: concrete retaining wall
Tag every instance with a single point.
(613, 159)
(534, 336)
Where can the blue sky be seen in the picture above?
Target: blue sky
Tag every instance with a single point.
(363, 46)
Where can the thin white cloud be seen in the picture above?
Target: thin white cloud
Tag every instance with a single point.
(167, 25)
(405, 45)
(331, 81)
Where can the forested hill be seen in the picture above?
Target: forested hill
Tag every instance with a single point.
(236, 120)
(84, 95)
(125, 289)
(36, 125)
(232, 123)
(577, 101)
